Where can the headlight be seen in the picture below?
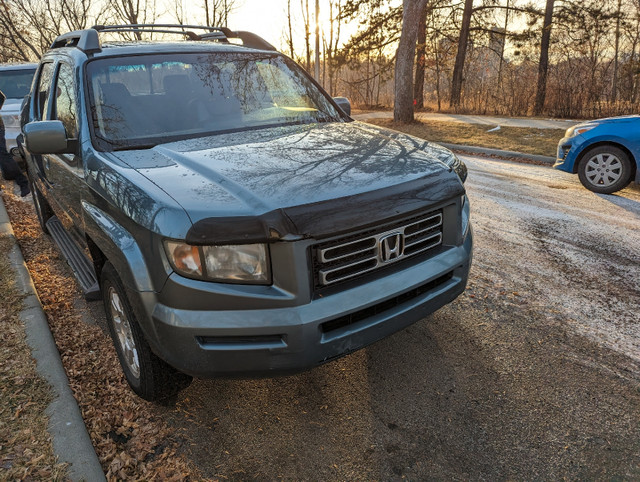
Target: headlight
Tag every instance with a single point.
(11, 120)
(466, 213)
(579, 129)
(458, 166)
(242, 263)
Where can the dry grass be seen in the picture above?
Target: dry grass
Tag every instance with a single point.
(131, 441)
(542, 142)
(26, 450)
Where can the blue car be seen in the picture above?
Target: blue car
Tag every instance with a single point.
(605, 153)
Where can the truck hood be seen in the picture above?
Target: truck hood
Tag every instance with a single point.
(300, 181)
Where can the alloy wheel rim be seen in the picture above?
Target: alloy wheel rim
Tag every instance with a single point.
(123, 331)
(603, 170)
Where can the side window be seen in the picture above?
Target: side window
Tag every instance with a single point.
(44, 87)
(66, 101)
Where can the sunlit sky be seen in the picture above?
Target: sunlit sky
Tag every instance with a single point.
(268, 18)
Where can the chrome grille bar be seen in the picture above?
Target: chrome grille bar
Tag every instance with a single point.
(326, 255)
(409, 241)
(338, 261)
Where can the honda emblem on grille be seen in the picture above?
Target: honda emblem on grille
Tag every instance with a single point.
(391, 247)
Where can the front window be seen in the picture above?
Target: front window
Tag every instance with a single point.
(15, 84)
(142, 101)
(44, 87)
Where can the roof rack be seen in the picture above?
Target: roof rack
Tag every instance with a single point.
(89, 42)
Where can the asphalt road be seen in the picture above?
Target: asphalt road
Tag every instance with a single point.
(533, 373)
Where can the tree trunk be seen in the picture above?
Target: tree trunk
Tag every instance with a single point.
(458, 68)
(501, 65)
(411, 15)
(437, 59)
(543, 65)
(307, 33)
(290, 31)
(317, 59)
(418, 86)
(614, 87)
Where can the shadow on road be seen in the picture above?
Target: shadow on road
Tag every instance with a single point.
(630, 205)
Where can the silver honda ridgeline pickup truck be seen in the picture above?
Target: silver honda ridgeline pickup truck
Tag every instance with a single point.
(232, 217)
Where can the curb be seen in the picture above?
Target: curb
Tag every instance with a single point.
(71, 442)
(496, 152)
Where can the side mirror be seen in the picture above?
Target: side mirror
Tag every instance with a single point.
(46, 137)
(344, 104)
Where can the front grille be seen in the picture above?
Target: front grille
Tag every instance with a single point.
(356, 255)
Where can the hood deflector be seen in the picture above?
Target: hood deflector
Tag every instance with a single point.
(329, 218)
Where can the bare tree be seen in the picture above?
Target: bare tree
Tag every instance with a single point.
(463, 40)
(332, 41)
(306, 20)
(543, 65)
(17, 43)
(616, 54)
(289, 32)
(216, 12)
(133, 12)
(28, 27)
(418, 86)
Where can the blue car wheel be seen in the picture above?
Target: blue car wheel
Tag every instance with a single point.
(605, 169)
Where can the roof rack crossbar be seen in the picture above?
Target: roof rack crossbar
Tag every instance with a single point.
(187, 33)
(88, 41)
(177, 26)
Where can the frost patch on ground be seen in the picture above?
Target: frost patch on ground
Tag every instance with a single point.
(564, 249)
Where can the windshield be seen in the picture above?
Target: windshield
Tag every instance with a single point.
(142, 101)
(15, 84)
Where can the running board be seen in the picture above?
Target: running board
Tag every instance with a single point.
(81, 265)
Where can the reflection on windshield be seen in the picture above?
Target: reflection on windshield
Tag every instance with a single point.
(146, 100)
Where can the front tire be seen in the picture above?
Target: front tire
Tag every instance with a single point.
(148, 375)
(605, 169)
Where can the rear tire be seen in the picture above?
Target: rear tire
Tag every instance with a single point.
(148, 375)
(605, 169)
(43, 210)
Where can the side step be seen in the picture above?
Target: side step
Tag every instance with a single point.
(81, 265)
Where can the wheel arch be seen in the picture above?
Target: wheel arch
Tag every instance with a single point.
(108, 240)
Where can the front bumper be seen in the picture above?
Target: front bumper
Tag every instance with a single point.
(267, 342)
(568, 150)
